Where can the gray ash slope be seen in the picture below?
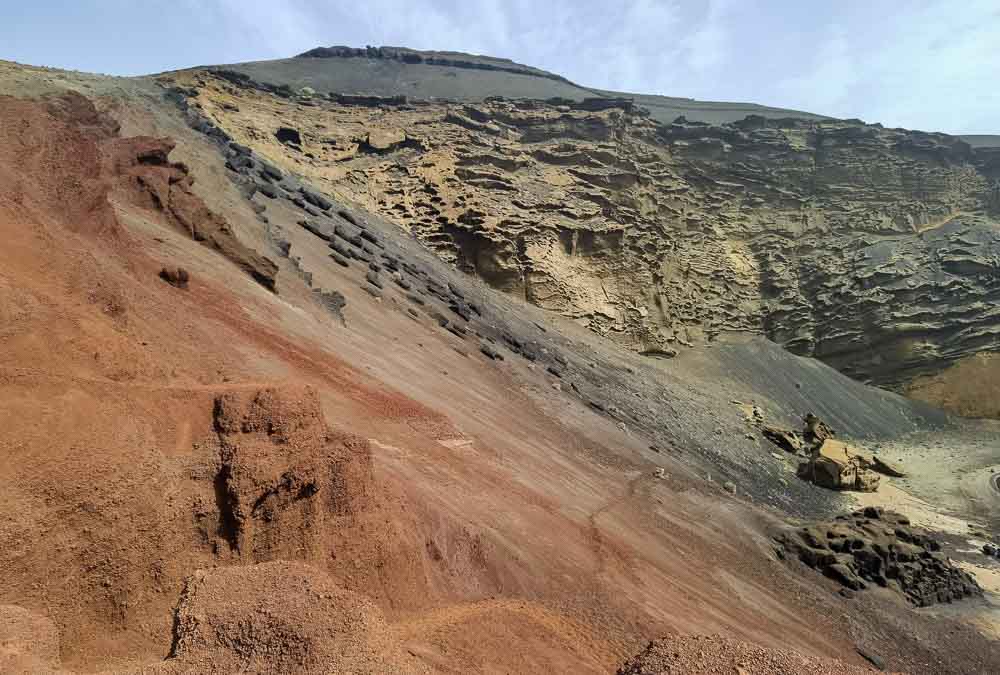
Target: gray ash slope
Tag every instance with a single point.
(688, 409)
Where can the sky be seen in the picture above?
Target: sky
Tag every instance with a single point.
(922, 64)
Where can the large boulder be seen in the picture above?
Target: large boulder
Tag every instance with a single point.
(839, 466)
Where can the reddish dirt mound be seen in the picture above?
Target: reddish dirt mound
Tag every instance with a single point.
(279, 617)
(286, 484)
(694, 655)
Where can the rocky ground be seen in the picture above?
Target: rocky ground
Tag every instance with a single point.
(277, 461)
(713, 654)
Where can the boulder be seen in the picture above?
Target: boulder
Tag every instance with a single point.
(316, 199)
(839, 466)
(884, 467)
(787, 440)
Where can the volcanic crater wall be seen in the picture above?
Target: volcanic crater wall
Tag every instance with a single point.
(874, 249)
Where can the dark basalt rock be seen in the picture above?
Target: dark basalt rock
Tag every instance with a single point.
(240, 163)
(268, 190)
(342, 249)
(270, 171)
(875, 546)
(456, 329)
(288, 135)
(315, 228)
(461, 309)
(490, 352)
(333, 301)
(316, 199)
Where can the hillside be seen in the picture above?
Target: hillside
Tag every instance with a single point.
(873, 249)
(395, 71)
(303, 383)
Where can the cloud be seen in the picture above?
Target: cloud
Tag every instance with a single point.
(708, 47)
(931, 68)
(825, 87)
(939, 71)
(273, 28)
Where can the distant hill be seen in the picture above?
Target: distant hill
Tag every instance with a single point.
(395, 71)
(982, 140)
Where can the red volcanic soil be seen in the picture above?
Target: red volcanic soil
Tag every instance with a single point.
(220, 478)
(714, 654)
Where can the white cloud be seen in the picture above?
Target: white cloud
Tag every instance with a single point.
(934, 68)
(826, 86)
(708, 47)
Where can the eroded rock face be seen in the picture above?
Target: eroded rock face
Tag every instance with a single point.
(144, 171)
(874, 249)
(285, 480)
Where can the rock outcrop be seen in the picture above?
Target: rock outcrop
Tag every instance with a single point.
(831, 463)
(287, 485)
(144, 171)
(875, 546)
(873, 249)
(835, 465)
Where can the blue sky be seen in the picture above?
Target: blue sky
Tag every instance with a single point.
(926, 64)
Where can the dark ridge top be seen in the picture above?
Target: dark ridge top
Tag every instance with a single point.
(432, 58)
(447, 75)
(981, 140)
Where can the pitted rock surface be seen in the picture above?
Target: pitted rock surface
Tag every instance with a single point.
(875, 546)
(874, 249)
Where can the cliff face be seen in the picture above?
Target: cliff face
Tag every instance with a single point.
(873, 249)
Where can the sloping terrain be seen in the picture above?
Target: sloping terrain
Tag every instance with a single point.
(423, 75)
(323, 448)
(873, 249)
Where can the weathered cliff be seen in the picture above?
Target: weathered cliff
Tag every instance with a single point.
(874, 249)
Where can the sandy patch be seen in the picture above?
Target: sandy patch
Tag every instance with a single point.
(920, 513)
(988, 577)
